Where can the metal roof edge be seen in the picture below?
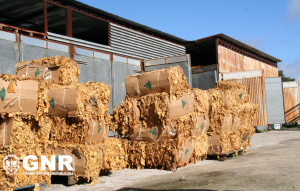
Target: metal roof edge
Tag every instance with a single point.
(241, 45)
(121, 19)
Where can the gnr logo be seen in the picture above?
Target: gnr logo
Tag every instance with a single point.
(11, 163)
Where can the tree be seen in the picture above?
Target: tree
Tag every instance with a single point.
(285, 79)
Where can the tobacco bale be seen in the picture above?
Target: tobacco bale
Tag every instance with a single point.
(192, 125)
(171, 81)
(125, 116)
(241, 92)
(57, 70)
(22, 137)
(114, 155)
(202, 101)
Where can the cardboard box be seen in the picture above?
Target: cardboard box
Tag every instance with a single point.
(24, 98)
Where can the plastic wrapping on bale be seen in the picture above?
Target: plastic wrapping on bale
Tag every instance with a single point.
(171, 81)
(57, 70)
(241, 92)
(22, 137)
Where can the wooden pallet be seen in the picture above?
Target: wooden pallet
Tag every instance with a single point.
(224, 156)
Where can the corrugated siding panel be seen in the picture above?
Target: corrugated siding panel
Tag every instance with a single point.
(230, 61)
(257, 96)
(291, 104)
(132, 43)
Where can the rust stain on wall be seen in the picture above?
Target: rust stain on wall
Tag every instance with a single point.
(230, 61)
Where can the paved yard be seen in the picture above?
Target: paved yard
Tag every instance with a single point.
(272, 164)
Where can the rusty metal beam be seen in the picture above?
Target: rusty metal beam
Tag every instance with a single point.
(69, 21)
(45, 17)
(21, 29)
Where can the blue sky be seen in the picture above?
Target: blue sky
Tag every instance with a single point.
(272, 26)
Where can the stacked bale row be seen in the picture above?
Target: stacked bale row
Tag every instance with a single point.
(231, 118)
(165, 121)
(44, 111)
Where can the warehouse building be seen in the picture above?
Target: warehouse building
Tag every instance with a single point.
(108, 48)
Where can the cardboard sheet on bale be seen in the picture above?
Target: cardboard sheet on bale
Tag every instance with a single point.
(214, 143)
(236, 123)
(202, 125)
(62, 102)
(6, 126)
(185, 151)
(151, 133)
(56, 70)
(18, 96)
(171, 81)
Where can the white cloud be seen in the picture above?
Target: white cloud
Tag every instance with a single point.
(293, 10)
(291, 70)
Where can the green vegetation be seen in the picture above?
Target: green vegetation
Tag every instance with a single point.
(285, 126)
(285, 79)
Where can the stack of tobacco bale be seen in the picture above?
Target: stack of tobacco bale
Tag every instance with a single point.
(231, 118)
(164, 121)
(45, 111)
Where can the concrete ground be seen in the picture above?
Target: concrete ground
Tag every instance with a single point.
(272, 164)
